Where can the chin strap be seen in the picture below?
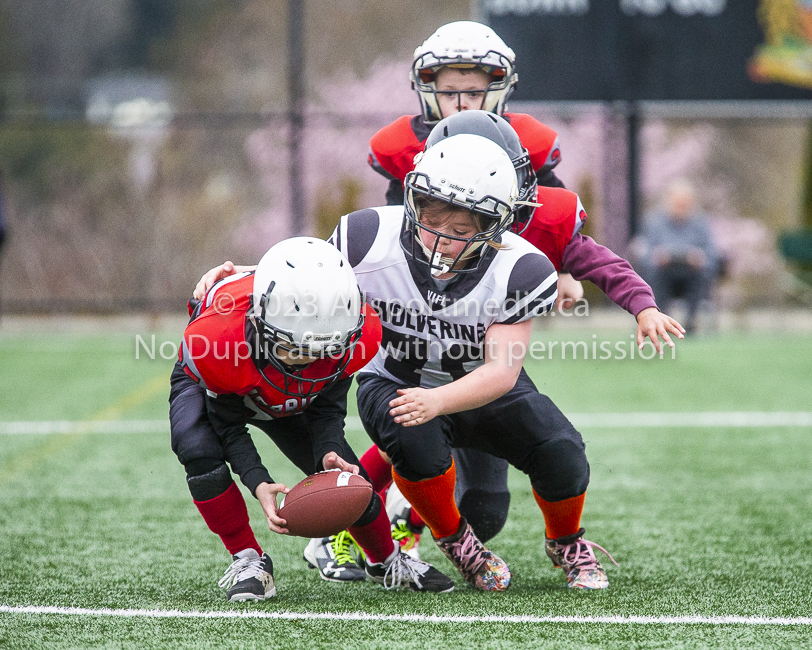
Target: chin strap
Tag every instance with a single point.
(532, 204)
(440, 265)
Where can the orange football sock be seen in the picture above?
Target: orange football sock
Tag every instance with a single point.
(434, 500)
(561, 518)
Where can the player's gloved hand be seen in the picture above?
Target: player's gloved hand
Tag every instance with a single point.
(415, 406)
(215, 275)
(653, 323)
(570, 291)
(266, 495)
(332, 460)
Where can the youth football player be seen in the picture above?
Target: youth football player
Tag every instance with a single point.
(277, 348)
(457, 293)
(463, 66)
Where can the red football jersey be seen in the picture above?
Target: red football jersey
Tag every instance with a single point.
(555, 223)
(393, 148)
(216, 353)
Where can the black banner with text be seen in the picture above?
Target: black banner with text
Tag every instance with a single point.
(585, 50)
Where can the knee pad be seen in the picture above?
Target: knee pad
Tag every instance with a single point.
(559, 470)
(207, 478)
(486, 511)
(372, 511)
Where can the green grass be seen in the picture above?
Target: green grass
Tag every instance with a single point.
(705, 522)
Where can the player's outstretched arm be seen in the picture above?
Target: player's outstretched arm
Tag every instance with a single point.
(266, 495)
(332, 460)
(570, 291)
(215, 275)
(653, 323)
(505, 349)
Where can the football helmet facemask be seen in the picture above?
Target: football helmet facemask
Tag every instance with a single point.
(498, 130)
(306, 304)
(463, 44)
(467, 171)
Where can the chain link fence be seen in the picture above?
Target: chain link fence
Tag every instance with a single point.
(125, 216)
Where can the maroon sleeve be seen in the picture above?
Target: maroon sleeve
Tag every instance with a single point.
(585, 259)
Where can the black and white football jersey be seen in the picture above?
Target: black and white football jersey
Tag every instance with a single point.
(434, 335)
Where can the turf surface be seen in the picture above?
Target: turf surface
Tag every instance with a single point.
(704, 522)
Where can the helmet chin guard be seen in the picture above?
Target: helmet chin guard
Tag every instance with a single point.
(306, 305)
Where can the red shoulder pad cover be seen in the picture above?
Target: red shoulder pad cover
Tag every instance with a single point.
(539, 139)
(554, 223)
(369, 344)
(216, 342)
(395, 146)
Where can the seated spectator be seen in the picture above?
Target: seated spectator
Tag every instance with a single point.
(677, 253)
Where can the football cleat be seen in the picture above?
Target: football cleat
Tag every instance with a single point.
(401, 571)
(399, 511)
(408, 540)
(575, 556)
(483, 569)
(250, 577)
(333, 557)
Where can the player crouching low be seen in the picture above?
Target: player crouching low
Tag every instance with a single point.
(450, 372)
(277, 348)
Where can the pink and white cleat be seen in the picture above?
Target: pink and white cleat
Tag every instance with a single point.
(483, 569)
(575, 556)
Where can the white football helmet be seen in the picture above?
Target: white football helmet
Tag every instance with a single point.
(306, 301)
(463, 44)
(464, 170)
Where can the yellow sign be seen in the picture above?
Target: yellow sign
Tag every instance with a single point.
(786, 55)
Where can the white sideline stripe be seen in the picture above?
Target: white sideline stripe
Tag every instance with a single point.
(700, 419)
(639, 420)
(416, 618)
(89, 426)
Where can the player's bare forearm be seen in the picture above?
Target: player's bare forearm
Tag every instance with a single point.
(655, 325)
(480, 387)
(570, 291)
(505, 347)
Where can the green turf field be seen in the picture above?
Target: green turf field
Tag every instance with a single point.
(706, 522)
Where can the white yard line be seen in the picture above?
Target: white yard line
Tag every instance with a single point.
(32, 427)
(640, 420)
(417, 618)
(690, 419)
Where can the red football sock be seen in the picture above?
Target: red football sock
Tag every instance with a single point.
(380, 472)
(375, 538)
(415, 520)
(434, 499)
(561, 518)
(227, 516)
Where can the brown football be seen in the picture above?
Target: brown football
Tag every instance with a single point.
(325, 503)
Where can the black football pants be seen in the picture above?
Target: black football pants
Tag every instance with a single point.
(523, 428)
